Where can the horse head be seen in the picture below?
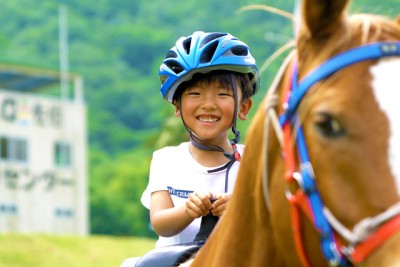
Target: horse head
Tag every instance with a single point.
(339, 112)
(317, 183)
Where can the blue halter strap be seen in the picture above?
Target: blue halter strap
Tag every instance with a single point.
(332, 65)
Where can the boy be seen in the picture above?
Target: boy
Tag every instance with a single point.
(210, 79)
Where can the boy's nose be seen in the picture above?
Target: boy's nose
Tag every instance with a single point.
(209, 102)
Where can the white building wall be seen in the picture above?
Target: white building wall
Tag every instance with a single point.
(37, 195)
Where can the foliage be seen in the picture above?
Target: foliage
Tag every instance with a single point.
(116, 185)
(117, 46)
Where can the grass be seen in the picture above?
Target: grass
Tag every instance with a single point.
(18, 250)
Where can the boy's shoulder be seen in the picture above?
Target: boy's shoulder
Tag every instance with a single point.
(240, 148)
(172, 150)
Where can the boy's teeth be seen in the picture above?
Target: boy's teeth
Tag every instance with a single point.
(208, 119)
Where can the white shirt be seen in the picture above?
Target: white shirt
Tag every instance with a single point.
(174, 169)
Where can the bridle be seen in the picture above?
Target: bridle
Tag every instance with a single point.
(367, 235)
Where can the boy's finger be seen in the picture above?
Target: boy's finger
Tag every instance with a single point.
(206, 200)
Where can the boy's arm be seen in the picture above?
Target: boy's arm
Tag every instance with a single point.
(168, 220)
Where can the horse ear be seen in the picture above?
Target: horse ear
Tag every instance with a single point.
(321, 18)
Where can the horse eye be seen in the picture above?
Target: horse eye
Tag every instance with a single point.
(328, 126)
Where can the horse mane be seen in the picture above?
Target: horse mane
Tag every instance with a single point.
(372, 27)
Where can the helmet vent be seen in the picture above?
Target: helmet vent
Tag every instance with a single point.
(171, 54)
(240, 50)
(211, 37)
(174, 66)
(209, 52)
(186, 45)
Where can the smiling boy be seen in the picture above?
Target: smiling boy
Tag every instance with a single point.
(210, 79)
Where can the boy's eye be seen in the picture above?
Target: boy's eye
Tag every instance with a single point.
(193, 93)
(224, 92)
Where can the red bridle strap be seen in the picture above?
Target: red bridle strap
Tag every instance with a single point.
(375, 240)
(298, 199)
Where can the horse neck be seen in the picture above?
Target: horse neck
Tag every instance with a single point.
(243, 236)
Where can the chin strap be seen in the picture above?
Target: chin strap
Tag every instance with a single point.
(196, 142)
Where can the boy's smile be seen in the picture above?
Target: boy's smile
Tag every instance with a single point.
(208, 119)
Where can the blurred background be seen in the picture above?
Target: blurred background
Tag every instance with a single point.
(81, 113)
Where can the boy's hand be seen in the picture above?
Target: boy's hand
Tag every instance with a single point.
(219, 206)
(198, 204)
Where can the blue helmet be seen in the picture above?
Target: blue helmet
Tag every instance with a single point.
(204, 52)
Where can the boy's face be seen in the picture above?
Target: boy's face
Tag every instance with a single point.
(208, 110)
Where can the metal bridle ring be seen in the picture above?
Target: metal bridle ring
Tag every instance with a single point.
(299, 180)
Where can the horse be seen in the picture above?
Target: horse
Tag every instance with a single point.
(317, 183)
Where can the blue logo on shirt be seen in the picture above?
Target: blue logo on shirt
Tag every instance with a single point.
(179, 193)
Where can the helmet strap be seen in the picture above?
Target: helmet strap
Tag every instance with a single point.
(235, 131)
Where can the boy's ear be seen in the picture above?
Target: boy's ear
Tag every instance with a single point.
(177, 109)
(244, 108)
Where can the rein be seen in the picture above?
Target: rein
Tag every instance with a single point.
(368, 234)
